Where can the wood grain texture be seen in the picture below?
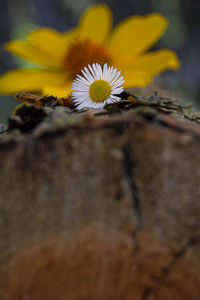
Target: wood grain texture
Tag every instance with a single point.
(105, 209)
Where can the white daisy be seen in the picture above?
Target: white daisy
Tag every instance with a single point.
(97, 87)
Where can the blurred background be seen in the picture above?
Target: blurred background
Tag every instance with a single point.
(19, 17)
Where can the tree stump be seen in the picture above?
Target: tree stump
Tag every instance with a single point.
(101, 207)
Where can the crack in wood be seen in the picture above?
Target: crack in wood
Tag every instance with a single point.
(170, 267)
(178, 255)
(129, 165)
(146, 293)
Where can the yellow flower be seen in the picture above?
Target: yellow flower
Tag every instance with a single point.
(63, 55)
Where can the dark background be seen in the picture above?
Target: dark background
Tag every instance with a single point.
(17, 17)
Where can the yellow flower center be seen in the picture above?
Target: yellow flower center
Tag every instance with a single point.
(84, 52)
(99, 90)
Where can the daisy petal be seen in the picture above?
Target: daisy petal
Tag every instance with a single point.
(98, 91)
(114, 78)
(96, 23)
(118, 90)
(81, 79)
(105, 70)
(92, 72)
(115, 98)
(99, 69)
(88, 77)
(89, 74)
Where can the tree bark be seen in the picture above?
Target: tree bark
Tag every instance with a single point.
(105, 208)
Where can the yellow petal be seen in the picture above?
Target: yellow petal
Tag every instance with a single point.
(29, 80)
(30, 52)
(51, 42)
(58, 91)
(136, 78)
(96, 23)
(156, 61)
(70, 36)
(136, 34)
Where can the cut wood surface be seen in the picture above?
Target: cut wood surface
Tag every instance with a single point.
(103, 207)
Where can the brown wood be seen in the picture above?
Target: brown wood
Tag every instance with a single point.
(105, 208)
